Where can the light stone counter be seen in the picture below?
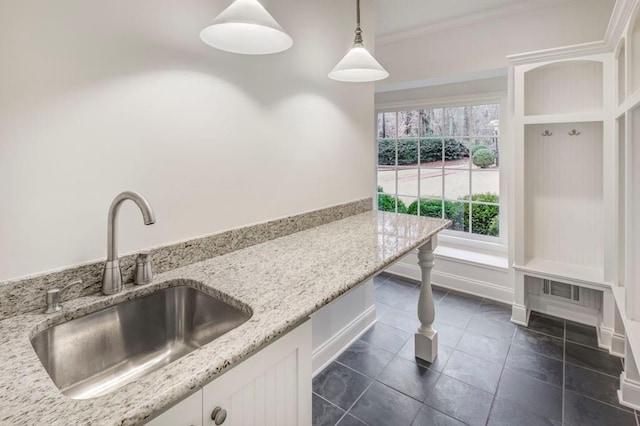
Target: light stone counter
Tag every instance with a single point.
(281, 282)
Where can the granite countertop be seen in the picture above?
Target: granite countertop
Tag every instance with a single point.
(281, 281)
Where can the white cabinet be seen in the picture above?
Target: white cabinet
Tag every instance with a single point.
(188, 412)
(273, 387)
(270, 388)
(565, 171)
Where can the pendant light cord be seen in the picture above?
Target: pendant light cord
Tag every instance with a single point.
(358, 40)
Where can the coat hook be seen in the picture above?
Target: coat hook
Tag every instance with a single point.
(574, 132)
(547, 133)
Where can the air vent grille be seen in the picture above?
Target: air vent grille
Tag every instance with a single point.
(565, 291)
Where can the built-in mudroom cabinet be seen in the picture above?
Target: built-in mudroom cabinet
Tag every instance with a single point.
(576, 115)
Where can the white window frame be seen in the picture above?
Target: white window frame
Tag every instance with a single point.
(472, 242)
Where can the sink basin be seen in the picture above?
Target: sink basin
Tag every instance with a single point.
(100, 352)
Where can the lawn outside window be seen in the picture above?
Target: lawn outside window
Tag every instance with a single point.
(442, 162)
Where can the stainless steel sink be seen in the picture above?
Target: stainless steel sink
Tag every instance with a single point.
(100, 352)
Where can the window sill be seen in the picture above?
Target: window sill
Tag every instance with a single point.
(476, 253)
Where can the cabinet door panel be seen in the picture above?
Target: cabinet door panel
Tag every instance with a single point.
(271, 388)
(185, 413)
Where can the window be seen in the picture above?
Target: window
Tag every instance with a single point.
(442, 162)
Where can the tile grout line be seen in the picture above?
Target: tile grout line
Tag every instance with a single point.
(626, 409)
(475, 311)
(564, 367)
(326, 400)
(344, 413)
(591, 347)
(495, 394)
(516, 372)
(355, 402)
(592, 370)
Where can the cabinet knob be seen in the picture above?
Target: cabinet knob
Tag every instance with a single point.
(219, 415)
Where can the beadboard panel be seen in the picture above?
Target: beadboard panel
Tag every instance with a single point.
(268, 400)
(563, 186)
(565, 87)
(272, 388)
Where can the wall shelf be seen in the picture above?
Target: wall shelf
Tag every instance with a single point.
(564, 272)
(564, 118)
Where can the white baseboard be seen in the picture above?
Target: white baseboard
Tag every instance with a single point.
(455, 282)
(629, 392)
(520, 314)
(565, 310)
(618, 342)
(605, 336)
(332, 348)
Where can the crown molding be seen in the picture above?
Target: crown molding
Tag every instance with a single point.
(499, 12)
(557, 53)
(617, 24)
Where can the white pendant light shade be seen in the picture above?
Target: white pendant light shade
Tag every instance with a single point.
(246, 27)
(358, 65)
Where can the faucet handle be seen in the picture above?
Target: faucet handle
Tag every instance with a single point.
(144, 269)
(53, 297)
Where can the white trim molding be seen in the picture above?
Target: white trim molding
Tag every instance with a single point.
(605, 337)
(449, 101)
(455, 282)
(444, 80)
(617, 23)
(331, 349)
(562, 309)
(629, 392)
(619, 18)
(560, 53)
(498, 12)
(520, 314)
(618, 342)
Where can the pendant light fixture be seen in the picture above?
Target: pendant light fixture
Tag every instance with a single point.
(246, 27)
(358, 65)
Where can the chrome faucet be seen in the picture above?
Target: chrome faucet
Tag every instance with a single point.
(112, 275)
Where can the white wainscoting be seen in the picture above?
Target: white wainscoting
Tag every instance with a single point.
(461, 275)
(340, 323)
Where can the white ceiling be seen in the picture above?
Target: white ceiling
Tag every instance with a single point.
(397, 16)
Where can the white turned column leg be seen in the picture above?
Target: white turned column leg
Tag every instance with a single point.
(426, 338)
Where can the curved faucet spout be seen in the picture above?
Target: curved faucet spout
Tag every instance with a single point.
(112, 237)
(112, 276)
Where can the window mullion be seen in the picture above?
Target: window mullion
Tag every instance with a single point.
(396, 165)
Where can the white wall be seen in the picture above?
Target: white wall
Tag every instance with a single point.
(336, 325)
(101, 97)
(484, 45)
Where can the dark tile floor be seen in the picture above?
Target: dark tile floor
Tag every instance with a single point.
(488, 372)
